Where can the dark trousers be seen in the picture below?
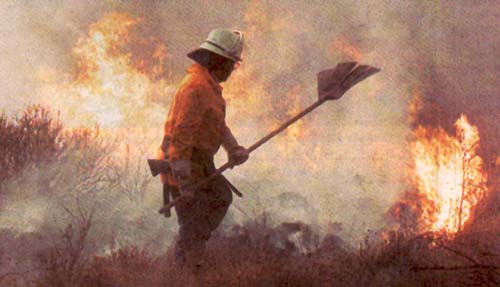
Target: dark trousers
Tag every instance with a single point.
(201, 215)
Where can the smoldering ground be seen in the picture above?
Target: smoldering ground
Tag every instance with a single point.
(345, 163)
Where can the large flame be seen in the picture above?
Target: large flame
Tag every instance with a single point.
(115, 86)
(448, 174)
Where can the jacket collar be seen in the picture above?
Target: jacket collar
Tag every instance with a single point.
(205, 74)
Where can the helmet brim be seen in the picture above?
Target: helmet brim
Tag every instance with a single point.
(200, 53)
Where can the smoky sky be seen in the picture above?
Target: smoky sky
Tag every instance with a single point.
(449, 48)
(458, 65)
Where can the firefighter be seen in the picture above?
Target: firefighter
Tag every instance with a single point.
(195, 129)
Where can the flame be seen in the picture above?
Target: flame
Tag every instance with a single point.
(115, 86)
(448, 175)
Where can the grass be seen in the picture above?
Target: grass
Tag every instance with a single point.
(239, 259)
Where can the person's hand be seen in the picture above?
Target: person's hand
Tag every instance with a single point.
(238, 156)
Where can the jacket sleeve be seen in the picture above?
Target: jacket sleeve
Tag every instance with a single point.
(190, 110)
(229, 142)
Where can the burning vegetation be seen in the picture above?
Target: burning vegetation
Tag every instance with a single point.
(90, 205)
(447, 177)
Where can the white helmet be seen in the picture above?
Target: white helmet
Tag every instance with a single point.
(224, 42)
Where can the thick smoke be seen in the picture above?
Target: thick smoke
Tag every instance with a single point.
(344, 163)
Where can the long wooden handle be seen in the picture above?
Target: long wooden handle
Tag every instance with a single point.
(285, 125)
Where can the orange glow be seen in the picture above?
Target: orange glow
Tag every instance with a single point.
(415, 106)
(448, 175)
(341, 45)
(295, 133)
(113, 86)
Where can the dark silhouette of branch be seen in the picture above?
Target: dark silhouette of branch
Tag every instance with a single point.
(454, 268)
(459, 253)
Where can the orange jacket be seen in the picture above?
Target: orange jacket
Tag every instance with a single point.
(196, 118)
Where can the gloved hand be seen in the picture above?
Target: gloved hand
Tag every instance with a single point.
(238, 155)
(182, 174)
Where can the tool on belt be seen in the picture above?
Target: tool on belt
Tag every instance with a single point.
(332, 85)
(158, 166)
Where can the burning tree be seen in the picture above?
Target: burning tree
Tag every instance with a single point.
(448, 178)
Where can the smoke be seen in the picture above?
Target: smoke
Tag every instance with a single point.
(344, 163)
(87, 202)
(457, 66)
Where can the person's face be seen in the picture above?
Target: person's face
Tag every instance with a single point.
(224, 70)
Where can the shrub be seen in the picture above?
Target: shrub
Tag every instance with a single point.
(28, 140)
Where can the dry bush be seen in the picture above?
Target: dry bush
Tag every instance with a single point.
(69, 196)
(60, 264)
(59, 173)
(29, 139)
(84, 172)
